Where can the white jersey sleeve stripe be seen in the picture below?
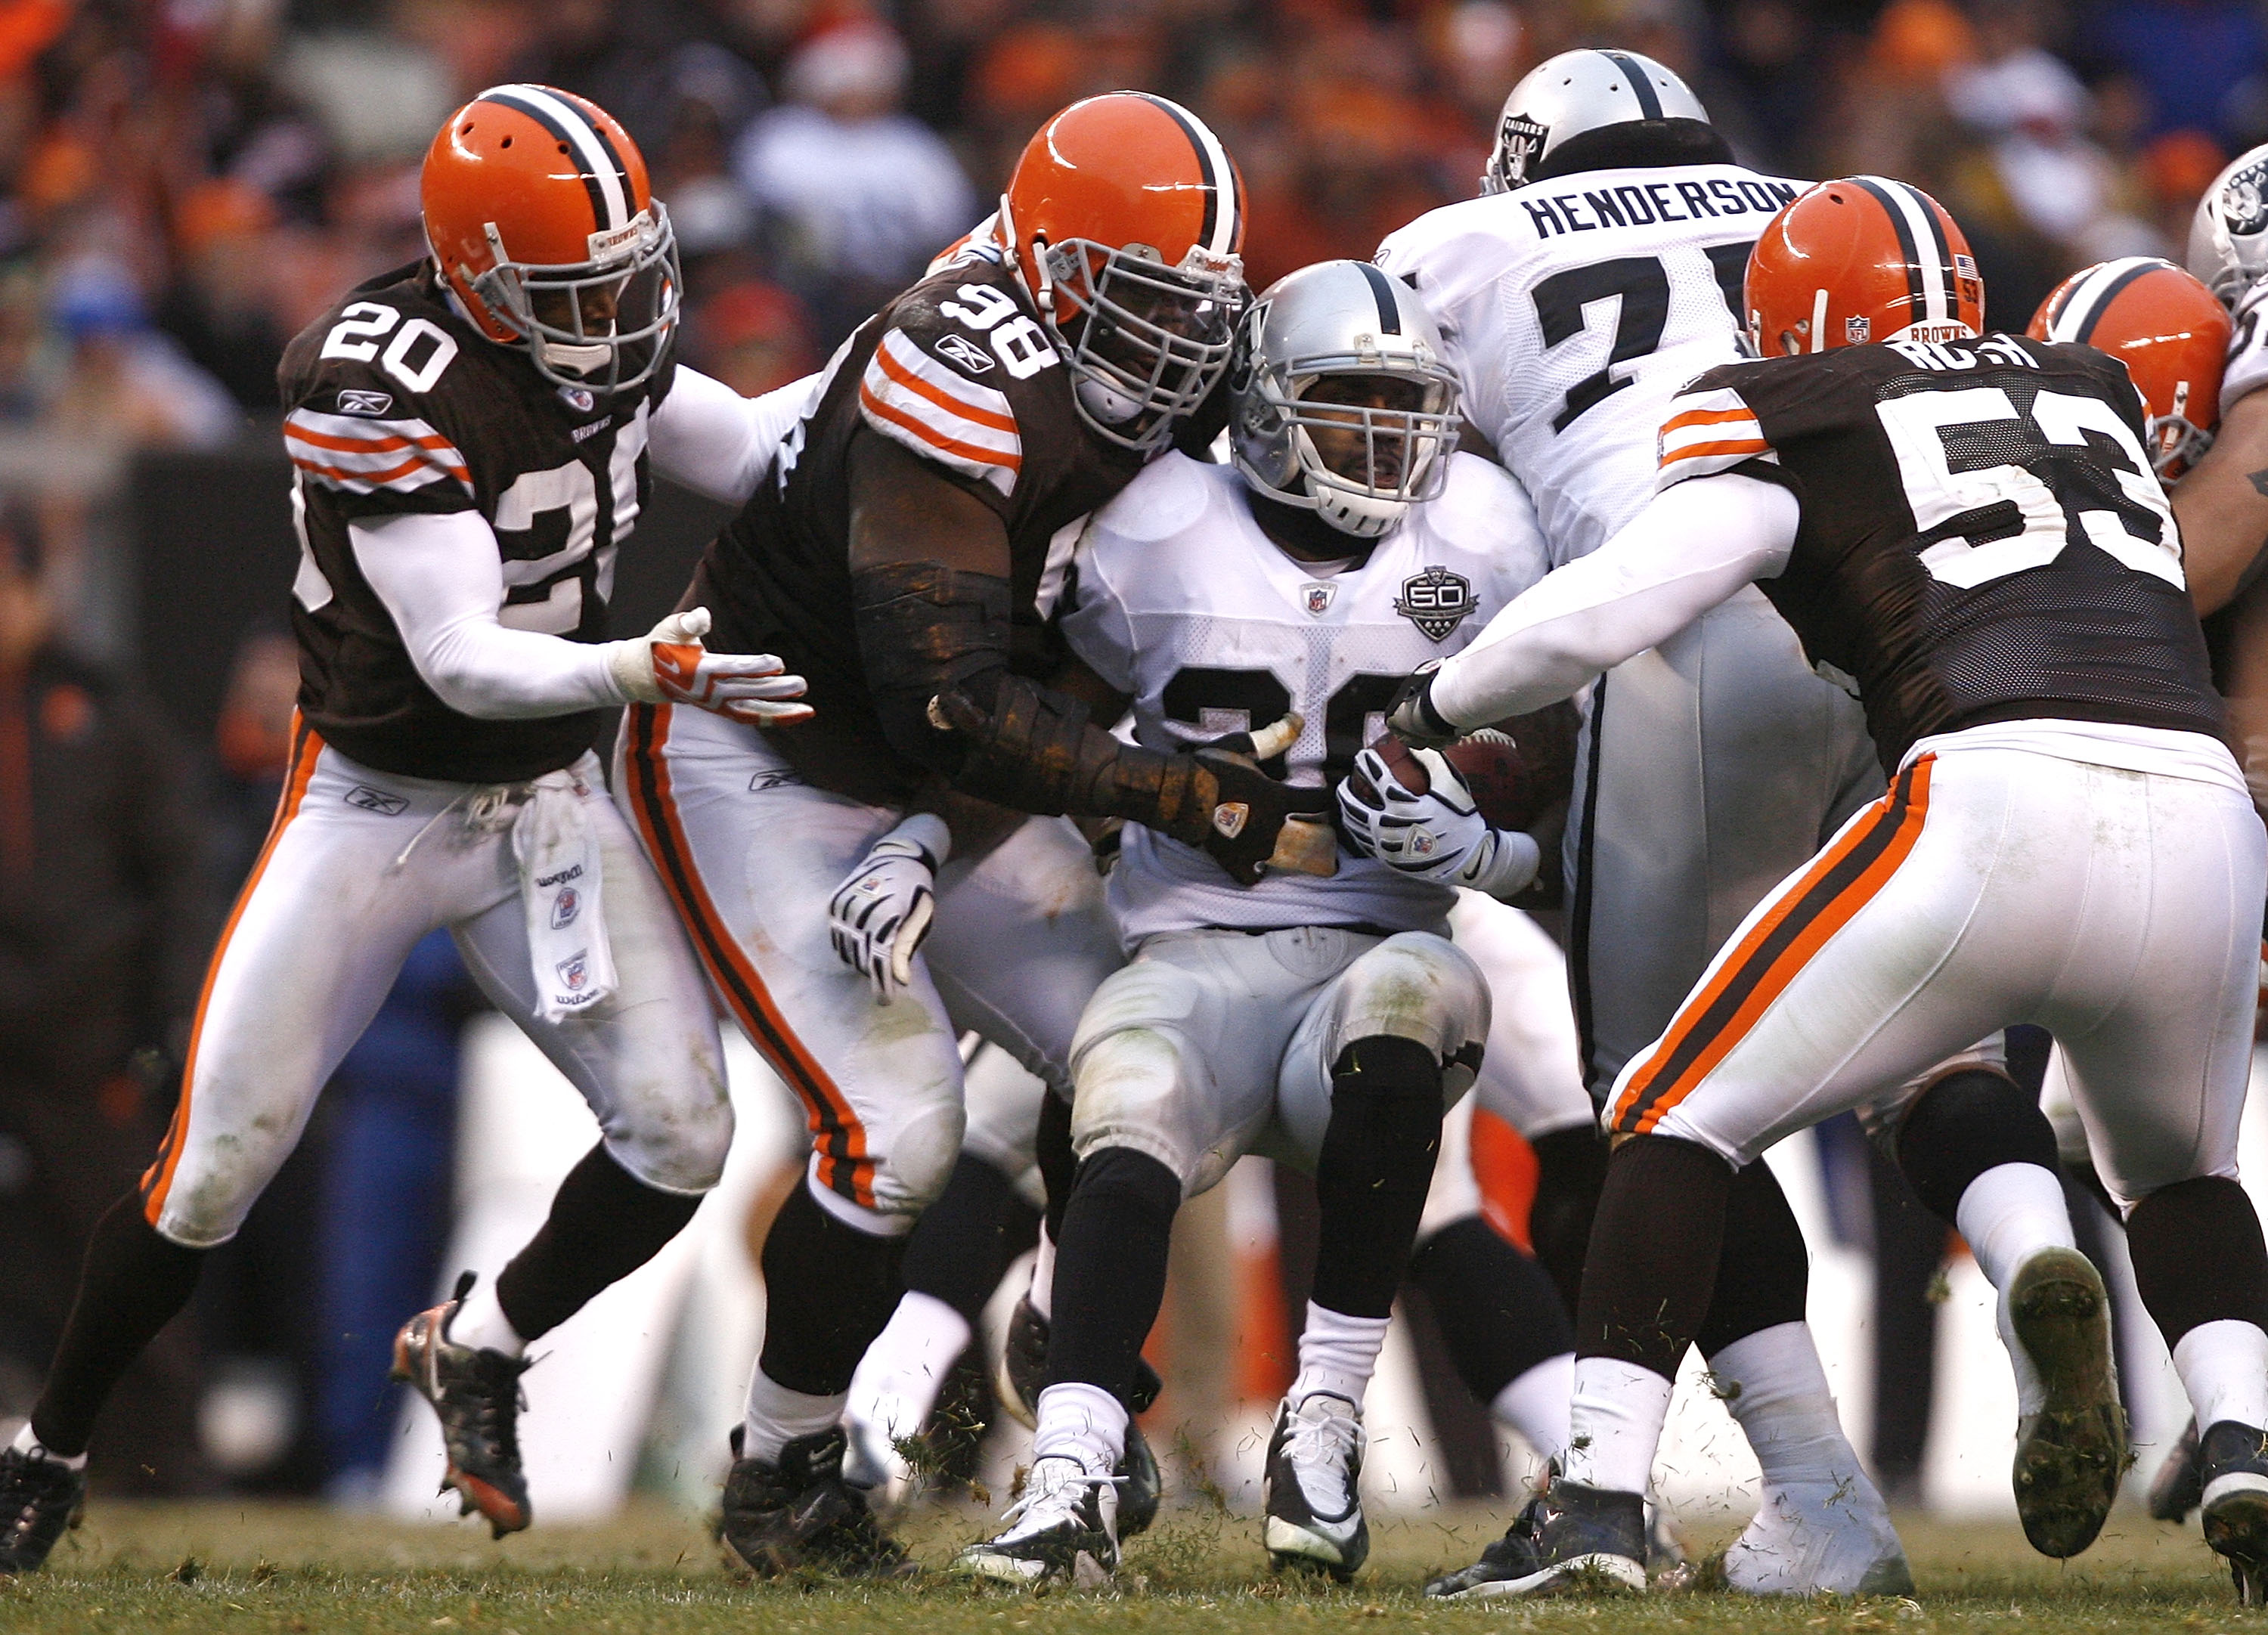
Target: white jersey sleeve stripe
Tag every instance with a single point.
(362, 456)
(1707, 432)
(909, 396)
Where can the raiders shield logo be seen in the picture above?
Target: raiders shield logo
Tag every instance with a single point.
(1437, 602)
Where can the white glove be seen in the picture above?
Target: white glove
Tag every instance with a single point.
(882, 911)
(669, 665)
(1423, 822)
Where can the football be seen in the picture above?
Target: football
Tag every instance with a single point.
(1494, 769)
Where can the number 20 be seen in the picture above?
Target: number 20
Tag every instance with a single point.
(356, 336)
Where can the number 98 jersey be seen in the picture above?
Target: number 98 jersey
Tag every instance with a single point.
(1573, 309)
(393, 405)
(1178, 599)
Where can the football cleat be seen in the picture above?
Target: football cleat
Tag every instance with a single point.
(40, 1499)
(2233, 1459)
(1063, 1529)
(476, 1394)
(2071, 1439)
(1820, 1538)
(797, 1513)
(2179, 1486)
(1314, 1520)
(1571, 1540)
(1021, 1373)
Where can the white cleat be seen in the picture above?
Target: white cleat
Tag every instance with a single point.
(1314, 1520)
(1062, 1530)
(1820, 1538)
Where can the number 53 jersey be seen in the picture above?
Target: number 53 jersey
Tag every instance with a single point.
(1177, 599)
(1982, 538)
(1574, 309)
(394, 403)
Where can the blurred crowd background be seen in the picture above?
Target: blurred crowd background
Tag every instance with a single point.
(186, 183)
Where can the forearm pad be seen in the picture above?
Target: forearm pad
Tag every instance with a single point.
(1035, 749)
(925, 629)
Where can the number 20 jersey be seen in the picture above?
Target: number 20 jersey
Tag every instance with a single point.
(393, 403)
(1178, 600)
(1573, 309)
(1982, 538)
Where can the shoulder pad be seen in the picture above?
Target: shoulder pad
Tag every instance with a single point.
(1708, 428)
(1164, 499)
(359, 389)
(928, 394)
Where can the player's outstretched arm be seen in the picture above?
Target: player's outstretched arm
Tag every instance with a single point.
(1694, 544)
(441, 578)
(2223, 506)
(708, 438)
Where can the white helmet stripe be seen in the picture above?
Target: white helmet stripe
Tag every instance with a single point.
(1225, 209)
(1923, 238)
(611, 198)
(2091, 297)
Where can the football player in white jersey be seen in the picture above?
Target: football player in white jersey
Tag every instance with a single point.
(1326, 1021)
(1598, 272)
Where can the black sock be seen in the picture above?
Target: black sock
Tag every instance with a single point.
(1051, 1150)
(1110, 1267)
(1571, 1166)
(829, 1290)
(1964, 1124)
(1372, 1176)
(605, 1223)
(1764, 1253)
(2199, 1257)
(963, 1241)
(1653, 1252)
(1498, 1311)
(131, 1284)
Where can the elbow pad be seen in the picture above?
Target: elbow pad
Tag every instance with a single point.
(1035, 749)
(923, 629)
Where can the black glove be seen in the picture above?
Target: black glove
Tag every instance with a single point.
(1250, 813)
(1412, 717)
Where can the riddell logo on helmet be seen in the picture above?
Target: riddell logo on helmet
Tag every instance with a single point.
(611, 240)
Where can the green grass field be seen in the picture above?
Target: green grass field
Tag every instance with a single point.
(250, 1567)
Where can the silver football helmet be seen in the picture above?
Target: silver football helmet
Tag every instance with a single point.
(2229, 238)
(1576, 91)
(1340, 401)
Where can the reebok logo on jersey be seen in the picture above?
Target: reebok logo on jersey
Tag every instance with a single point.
(376, 800)
(966, 352)
(355, 401)
(1437, 602)
(1317, 598)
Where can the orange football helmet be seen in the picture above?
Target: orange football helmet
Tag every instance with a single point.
(1862, 259)
(1125, 221)
(538, 214)
(2170, 332)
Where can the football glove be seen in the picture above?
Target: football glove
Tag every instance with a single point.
(669, 665)
(1258, 823)
(1409, 809)
(880, 914)
(1411, 715)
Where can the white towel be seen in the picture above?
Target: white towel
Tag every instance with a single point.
(559, 883)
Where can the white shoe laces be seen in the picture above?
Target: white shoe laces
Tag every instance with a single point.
(1053, 1493)
(1322, 1435)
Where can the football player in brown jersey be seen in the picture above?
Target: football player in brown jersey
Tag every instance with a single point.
(907, 558)
(1969, 530)
(471, 437)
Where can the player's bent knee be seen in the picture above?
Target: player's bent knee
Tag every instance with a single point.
(1964, 1124)
(1424, 988)
(1133, 1093)
(681, 1150)
(923, 1151)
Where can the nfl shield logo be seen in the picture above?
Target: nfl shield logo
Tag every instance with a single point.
(1317, 598)
(576, 970)
(576, 399)
(565, 907)
(1437, 602)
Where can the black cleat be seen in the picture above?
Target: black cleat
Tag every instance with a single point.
(1064, 1529)
(2233, 1461)
(2179, 1486)
(1571, 1540)
(1021, 1374)
(1313, 1516)
(2071, 1450)
(799, 1513)
(476, 1394)
(1508, 1561)
(40, 1499)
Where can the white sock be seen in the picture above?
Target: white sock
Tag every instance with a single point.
(910, 1356)
(1083, 1422)
(1614, 1423)
(1536, 1404)
(1043, 1276)
(2010, 1212)
(26, 1443)
(777, 1416)
(1772, 1382)
(480, 1322)
(1337, 1353)
(2224, 1367)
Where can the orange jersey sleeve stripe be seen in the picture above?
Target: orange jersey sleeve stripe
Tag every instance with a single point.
(380, 479)
(1698, 451)
(1706, 417)
(929, 434)
(943, 398)
(364, 446)
(845, 1165)
(1839, 883)
(158, 1180)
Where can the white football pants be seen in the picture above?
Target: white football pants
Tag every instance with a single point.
(2119, 910)
(357, 867)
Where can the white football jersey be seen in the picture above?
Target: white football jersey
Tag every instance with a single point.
(2248, 347)
(1573, 309)
(1179, 602)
